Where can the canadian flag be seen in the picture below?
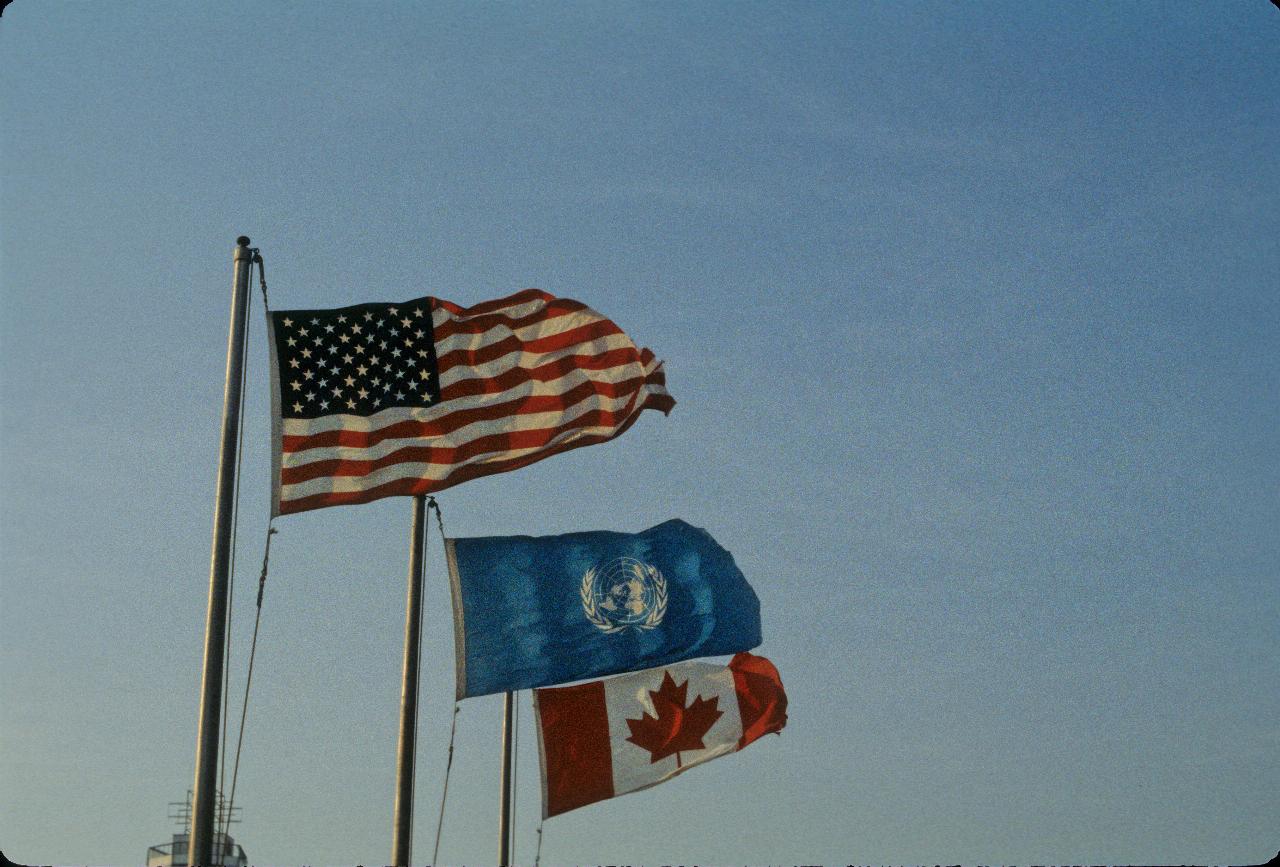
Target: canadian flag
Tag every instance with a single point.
(608, 737)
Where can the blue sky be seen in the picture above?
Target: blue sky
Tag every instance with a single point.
(971, 314)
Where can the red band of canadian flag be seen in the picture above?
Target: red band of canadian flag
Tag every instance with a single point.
(608, 737)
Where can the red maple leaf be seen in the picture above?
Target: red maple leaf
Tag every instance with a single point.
(676, 728)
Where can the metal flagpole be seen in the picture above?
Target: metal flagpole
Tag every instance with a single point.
(215, 630)
(402, 834)
(504, 811)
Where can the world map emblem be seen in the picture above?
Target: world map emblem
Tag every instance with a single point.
(624, 593)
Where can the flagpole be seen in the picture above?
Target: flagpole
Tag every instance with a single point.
(504, 811)
(215, 630)
(402, 833)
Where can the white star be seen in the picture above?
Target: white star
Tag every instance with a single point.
(311, 395)
(359, 350)
(387, 368)
(328, 328)
(306, 353)
(392, 310)
(418, 334)
(363, 394)
(368, 338)
(324, 404)
(347, 359)
(315, 321)
(297, 386)
(406, 322)
(355, 329)
(376, 381)
(373, 359)
(377, 401)
(342, 319)
(333, 350)
(297, 407)
(395, 353)
(291, 341)
(351, 404)
(368, 317)
(308, 374)
(422, 352)
(349, 380)
(394, 332)
(287, 322)
(337, 392)
(386, 387)
(426, 398)
(303, 332)
(382, 344)
(417, 311)
(323, 383)
(344, 337)
(425, 374)
(322, 363)
(362, 370)
(319, 341)
(399, 395)
(411, 362)
(399, 374)
(293, 362)
(408, 342)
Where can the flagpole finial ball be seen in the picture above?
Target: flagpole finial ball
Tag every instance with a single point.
(242, 241)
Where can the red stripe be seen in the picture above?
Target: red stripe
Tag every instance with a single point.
(410, 487)
(513, 344)
(447, 424)
(426, 454)
(479, 324)
(658, 377)
(761, 699)
(520, 297)
(574, 727)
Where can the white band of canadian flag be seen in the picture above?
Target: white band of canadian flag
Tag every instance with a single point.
(608, 737)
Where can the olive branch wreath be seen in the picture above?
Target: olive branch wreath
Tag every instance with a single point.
(602, 623)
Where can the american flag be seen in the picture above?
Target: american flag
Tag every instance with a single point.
(380, 400)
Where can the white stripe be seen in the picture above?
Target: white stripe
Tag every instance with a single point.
(629, 697)
(466, 433)
(351, 484)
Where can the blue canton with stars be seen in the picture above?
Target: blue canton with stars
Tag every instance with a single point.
(356, 360)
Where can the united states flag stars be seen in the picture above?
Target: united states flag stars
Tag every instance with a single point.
(356, 360)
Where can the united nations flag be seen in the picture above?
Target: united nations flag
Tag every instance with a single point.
(537, 611)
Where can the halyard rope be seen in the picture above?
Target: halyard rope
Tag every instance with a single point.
(262, 578)
(253, 651)
(262, 278)
(231, 572)
(444, 795)
(453, 726)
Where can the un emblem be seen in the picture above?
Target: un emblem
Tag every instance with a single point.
(624, 593)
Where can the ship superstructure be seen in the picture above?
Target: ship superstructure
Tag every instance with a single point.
(176, 853)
